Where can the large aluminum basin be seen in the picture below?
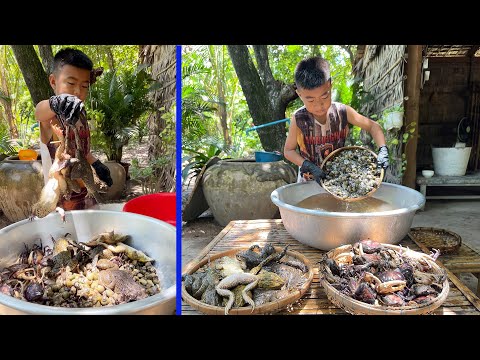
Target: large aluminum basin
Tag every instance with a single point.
(156, 238)
(327, 230)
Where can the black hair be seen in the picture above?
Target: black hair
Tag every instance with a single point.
(311, 73)
(74, 57)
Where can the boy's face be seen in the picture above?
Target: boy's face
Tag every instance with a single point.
(71, 80)
(318, 100)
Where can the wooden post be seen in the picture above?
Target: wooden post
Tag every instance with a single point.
(414, 68)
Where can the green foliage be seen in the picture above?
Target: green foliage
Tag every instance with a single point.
(150, 174)
(205, 69)
(240, 141)
(147, 174)
(195, 162)
(197, 116)
(6, 146)
(18, 96)
(142, 128)
(406, 137)
(28, 129)
(119, 100)
(360, 97)
(125, 57)
(395, 108)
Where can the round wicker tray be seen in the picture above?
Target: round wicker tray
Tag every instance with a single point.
(357, 307)
(335, 153)
(444, 240)
(268, 308)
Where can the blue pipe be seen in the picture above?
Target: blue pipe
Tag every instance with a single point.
(267, 124)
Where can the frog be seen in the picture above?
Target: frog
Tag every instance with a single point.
(228, 266)
(122, 283)
(255, 255)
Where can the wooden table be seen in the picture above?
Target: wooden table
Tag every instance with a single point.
(464, 260)
(244, 233)
(438, 180)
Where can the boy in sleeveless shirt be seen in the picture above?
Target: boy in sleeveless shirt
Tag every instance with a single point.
(71, 77)
(321, 126)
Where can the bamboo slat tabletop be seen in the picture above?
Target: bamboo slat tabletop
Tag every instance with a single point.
(244, 233)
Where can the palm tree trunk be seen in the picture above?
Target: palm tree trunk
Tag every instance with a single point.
(7, 105)
(110, 58)
(161, 129)
(217, 60)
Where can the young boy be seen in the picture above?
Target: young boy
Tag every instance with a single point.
(71, 77)
(321, 126)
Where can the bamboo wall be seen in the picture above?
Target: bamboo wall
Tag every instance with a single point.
(445, 99)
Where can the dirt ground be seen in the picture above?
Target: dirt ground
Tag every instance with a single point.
(133, 150)
(196, 235)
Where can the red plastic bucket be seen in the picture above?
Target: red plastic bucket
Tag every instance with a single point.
(160, 206)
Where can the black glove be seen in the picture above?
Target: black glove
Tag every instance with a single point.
(103, 172)
(67, 107)
(382, 157)
(309, 167)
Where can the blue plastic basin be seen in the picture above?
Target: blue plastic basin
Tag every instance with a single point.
(266, 156)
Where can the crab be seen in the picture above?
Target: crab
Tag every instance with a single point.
(386, 287)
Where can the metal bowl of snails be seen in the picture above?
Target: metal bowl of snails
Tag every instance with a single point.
(152, 237)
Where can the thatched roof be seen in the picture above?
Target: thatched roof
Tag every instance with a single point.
(452, 50)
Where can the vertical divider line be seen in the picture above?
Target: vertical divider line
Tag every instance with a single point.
(178, 145)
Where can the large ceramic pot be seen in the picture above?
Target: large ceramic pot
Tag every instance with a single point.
(240, 189)
(21, 182)
(118, 174)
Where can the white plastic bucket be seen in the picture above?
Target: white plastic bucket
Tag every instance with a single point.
(451, 161)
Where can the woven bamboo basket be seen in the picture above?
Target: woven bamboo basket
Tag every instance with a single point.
(357, 307)
(338, 151)
(444, 240)
(267, 308)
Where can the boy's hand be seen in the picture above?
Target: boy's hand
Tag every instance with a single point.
(314, 170)
(67, 107)
(103, 172)
(382, 157)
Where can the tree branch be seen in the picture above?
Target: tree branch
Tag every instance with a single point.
(33, 73)
(288, 94)
(46, 54)
(261, 54)
(249, 78)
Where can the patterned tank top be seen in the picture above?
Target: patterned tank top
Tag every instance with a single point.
(315, 140)
(83, 131)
